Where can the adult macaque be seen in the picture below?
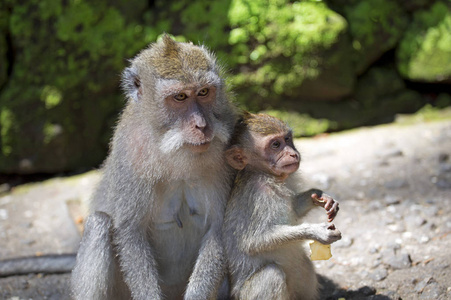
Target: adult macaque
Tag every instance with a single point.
(155, 228)
(261, 231)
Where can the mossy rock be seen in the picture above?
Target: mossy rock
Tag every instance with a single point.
(62, 97)
(4, 17)
(287, 49)
(379, 96)
(424, 53)
(303, 124)
(375, 26)
(377, 83)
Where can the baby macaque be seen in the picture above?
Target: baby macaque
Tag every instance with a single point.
(262, 230)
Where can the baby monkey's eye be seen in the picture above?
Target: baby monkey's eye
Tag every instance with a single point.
(180, 97)
(203, 92)
(275, 144)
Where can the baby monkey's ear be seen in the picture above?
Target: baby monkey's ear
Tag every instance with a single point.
(236, 158)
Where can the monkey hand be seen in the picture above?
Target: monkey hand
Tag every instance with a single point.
(329, 204)
(325, 233)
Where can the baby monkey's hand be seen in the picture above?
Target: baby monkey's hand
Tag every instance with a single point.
(329, 204)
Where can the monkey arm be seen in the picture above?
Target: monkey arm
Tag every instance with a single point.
(280, 235)
(275, 237)
(303, 202)
(137, 262)
(209, 269)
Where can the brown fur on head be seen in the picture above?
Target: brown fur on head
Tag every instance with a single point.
(263, 143)
(167, 60)
(262, 124)
(174, 60)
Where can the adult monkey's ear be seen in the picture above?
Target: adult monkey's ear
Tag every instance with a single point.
(131, 84)
(236, 158)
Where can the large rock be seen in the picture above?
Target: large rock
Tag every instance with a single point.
(62, 95)
(283, 49)
(4, 17)
(424, 53)
(375, 26)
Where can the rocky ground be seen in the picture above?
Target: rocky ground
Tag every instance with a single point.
(394, 187)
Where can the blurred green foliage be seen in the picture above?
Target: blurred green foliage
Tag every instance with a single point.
(375, 26)
(285, 46)
(424, 53)
(317, 61)
(303, 124)
(62, 87)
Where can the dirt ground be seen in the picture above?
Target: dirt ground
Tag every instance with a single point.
(393, 183)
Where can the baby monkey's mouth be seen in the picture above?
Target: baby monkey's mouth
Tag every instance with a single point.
(291, 166)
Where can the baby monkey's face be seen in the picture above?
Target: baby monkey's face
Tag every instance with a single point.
(277, 154)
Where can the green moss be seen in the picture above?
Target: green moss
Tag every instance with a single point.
(283, 45)
(51, 96)
(376, 26)
(426, 114)
(377, 83)
(67, 61)
(443, 100)
(424, 53)
(6, 123)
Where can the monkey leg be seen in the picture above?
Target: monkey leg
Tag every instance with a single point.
(267, 283)
(96, 274)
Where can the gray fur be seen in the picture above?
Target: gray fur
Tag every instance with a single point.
(159, 233)
(262, 235)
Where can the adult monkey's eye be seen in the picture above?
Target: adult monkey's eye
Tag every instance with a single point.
(203, 92)
(180, 97)
(275, 144)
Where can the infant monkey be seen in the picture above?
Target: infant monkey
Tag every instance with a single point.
(262, 230)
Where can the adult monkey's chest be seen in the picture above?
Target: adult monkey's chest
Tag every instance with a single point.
(181, 206)
(180, 221)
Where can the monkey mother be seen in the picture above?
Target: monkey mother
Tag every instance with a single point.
(155, 226)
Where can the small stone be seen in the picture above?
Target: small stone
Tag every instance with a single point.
(399, 261)
(373, 250)
(445, 168)
(396, 184)
(27, 225)
(379, 274)
(3, 214)
(24, 284)
(397, 227)
(393, 246)
(366, 291)
(392, 153)
(413, 221)
(424, 239)
(391, 200)
(28, 242)
(432, 291)
(422, 284)
(376, 263)
(443, 157)
(431, 211)
(443, 183)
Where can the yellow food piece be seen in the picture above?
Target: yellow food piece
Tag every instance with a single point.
(319, 251)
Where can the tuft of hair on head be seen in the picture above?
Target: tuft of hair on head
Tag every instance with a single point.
(174, 60)
(262, 124)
